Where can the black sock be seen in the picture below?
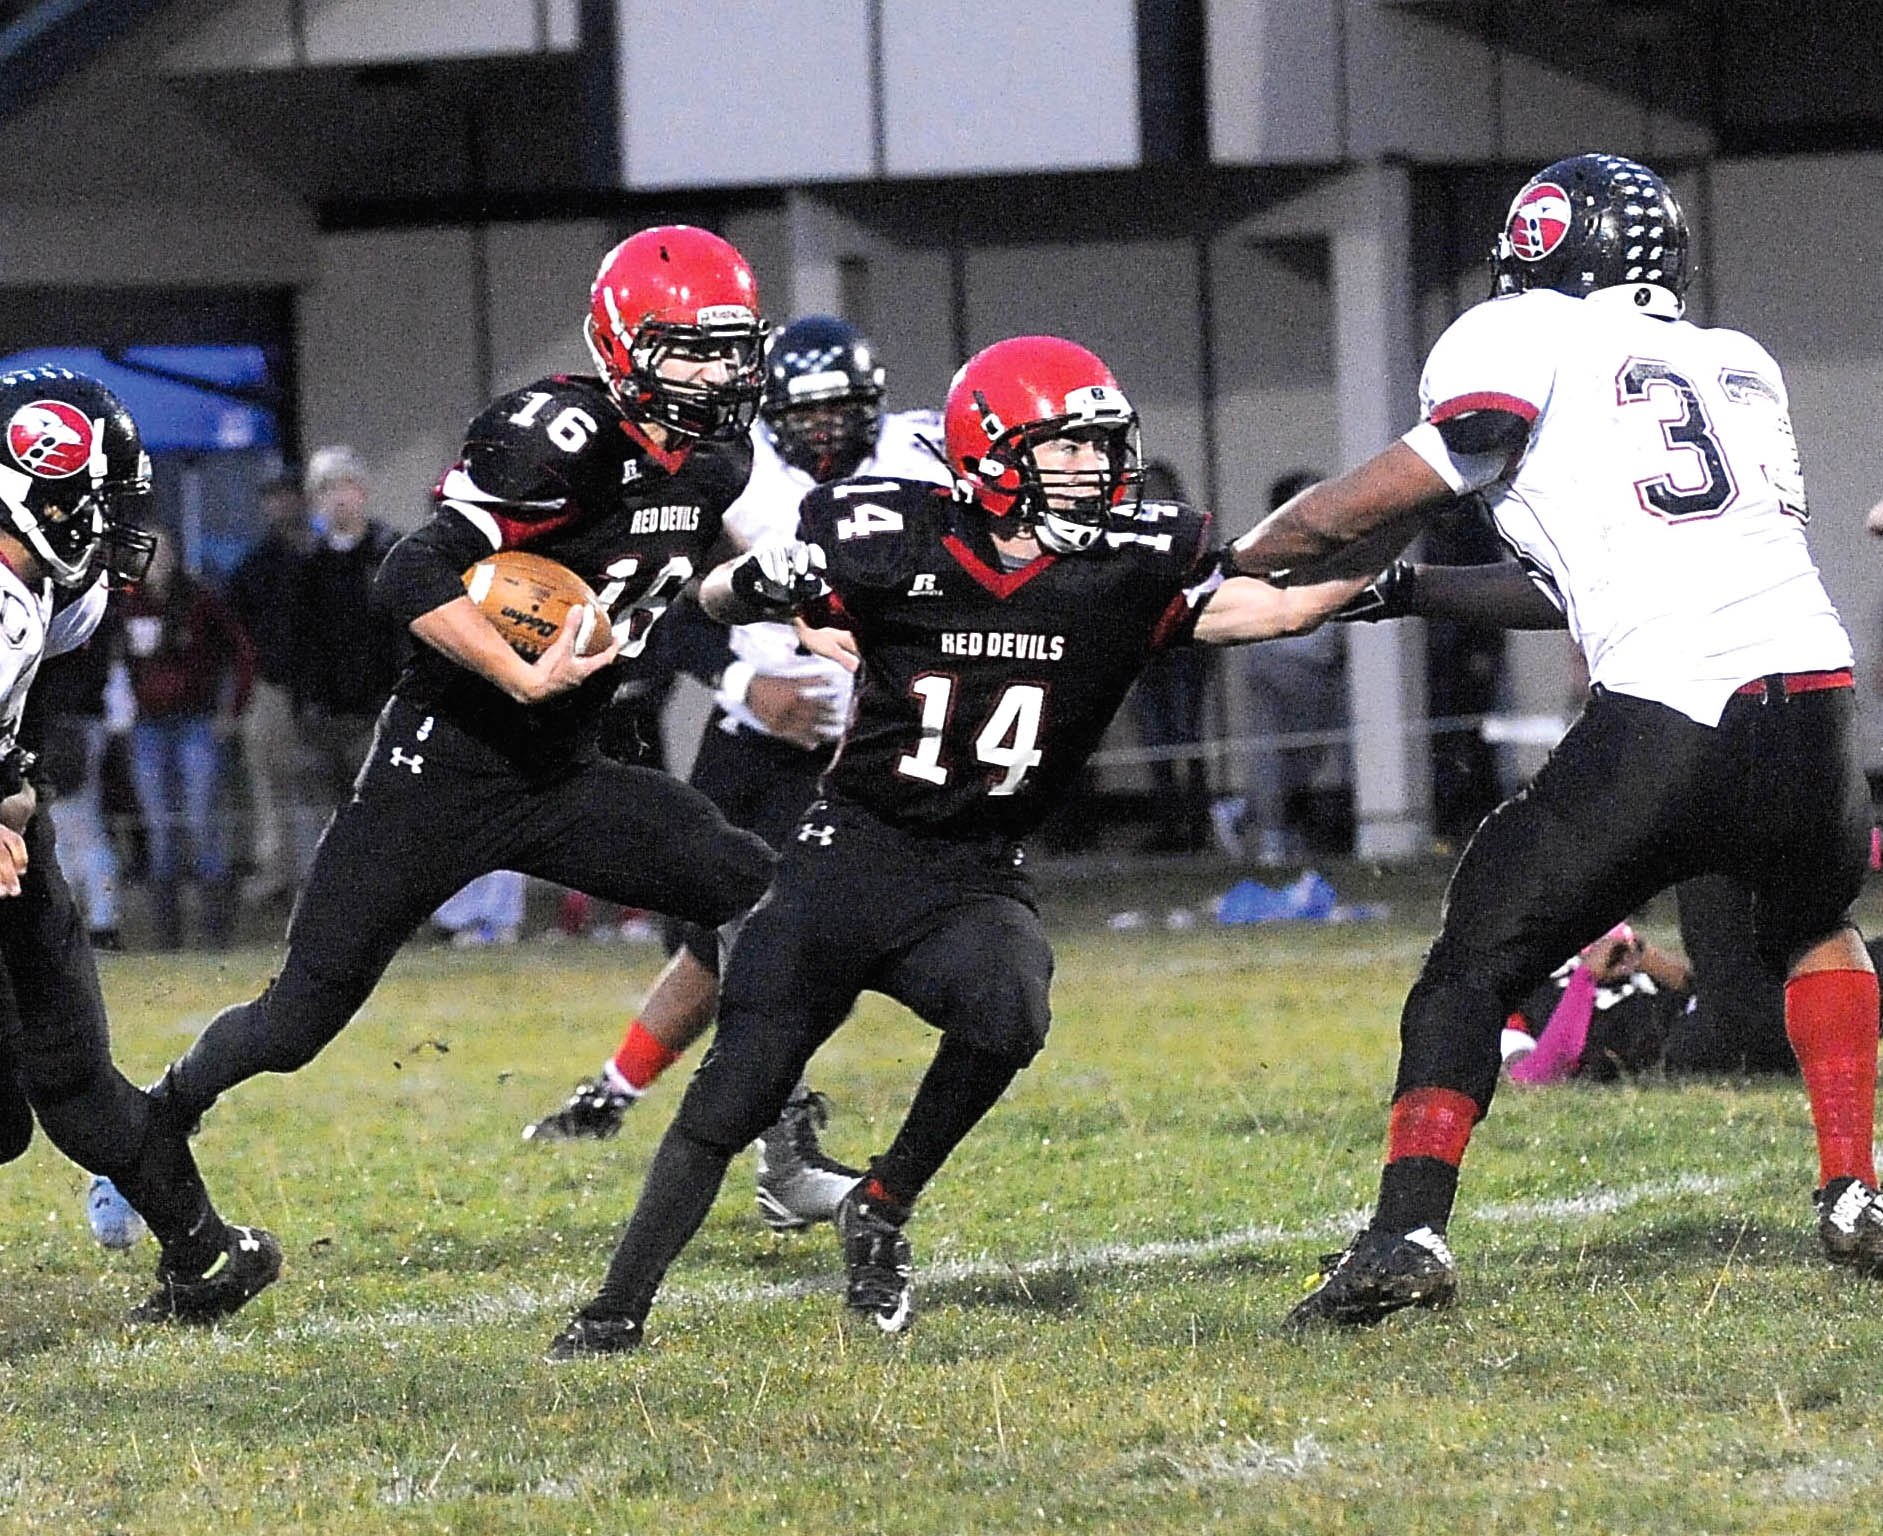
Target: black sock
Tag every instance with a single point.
(682, 1182)
(1416, 1192)
(961, 1085)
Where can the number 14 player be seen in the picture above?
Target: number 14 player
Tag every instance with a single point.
(1000, 624)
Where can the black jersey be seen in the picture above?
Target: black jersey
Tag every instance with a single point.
(554, 468)
(983, 689)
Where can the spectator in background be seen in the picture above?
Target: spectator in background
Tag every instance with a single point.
(346, 658)
(1295, 684)
(1168, 703)
(66, 723)
(190, 667)
(262, 594)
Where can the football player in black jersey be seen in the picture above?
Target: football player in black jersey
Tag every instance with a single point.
(483, 760)
(73, 476)
(1000, 625)
(774, 733)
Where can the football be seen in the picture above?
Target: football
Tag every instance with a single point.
(529, 598)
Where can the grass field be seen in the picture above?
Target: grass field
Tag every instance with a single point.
(1647, 1340)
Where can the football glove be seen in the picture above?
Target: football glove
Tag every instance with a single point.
(780, 578)
(1388, 595)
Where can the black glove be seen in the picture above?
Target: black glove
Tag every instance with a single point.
(15, 763)
(780, 578)
(1388, 595)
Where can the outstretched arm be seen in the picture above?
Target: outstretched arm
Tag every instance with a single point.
(1246, 608)
(1389, 496)
(1502, 595)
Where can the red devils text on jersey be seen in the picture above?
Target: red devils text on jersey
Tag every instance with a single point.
(985, 689)
(556, 469)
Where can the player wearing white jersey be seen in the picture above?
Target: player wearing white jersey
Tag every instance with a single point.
(1642, 469)
(73, 474)
(780, 709)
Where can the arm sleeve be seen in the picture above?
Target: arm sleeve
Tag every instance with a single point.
(425, 569)
(1202, 575)
(1494, 358)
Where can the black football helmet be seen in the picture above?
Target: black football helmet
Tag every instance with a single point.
(823, 399)
(1597, 221)
(74, 477)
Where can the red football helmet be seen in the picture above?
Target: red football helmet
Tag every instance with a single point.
(676, 292)
(1017, 394)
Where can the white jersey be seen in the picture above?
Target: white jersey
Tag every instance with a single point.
(30, 632)
(767, 513)
(1659, 493)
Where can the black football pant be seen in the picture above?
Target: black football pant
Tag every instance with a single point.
(55, 1056)
(758, 782)
(948, 929)
(433, 809)
(1636, 798)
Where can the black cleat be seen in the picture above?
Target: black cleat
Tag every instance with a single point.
(586, 1336)
(798, 1185)
(878, 1264)
(241, 1272)
(1850, 1225)
(593, 1113)
(1375, 1275)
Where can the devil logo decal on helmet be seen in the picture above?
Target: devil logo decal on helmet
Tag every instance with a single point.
(1592, 222)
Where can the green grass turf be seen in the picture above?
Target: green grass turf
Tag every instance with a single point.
(1647, 1340)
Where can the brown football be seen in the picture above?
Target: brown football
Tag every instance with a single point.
(528, 598)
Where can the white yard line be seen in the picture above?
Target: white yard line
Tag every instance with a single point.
(517, 1303)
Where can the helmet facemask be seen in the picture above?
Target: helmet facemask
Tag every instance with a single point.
(1070, 511)
(826, 438)
(631, 366)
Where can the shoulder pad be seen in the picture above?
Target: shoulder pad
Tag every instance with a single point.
(549, 444)
(1172, 528)
(865, 525)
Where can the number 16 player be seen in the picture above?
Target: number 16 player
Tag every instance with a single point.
(1643, 469)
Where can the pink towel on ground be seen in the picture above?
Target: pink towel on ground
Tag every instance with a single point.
(1559, 1047)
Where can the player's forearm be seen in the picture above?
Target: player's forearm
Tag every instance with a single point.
(721, 601)
(1247, 609)
(1386, 496)
(458, 630)
(1501, 596)
(425, 569)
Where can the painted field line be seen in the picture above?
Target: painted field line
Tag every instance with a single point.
(519, 1303)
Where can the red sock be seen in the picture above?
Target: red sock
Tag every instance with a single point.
(641, 1059)
(1831, 1020)
(1431, 1122)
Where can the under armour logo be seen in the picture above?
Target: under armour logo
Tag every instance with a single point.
(924, 585)
(819, 835)
(248, 1242)
(403, 759)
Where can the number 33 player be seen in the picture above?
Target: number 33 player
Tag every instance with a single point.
(1000, 623)
(1643, 469)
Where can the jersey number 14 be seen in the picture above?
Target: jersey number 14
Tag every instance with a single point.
(1007, 741)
